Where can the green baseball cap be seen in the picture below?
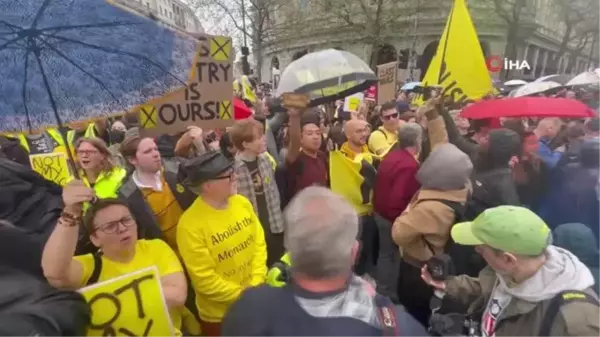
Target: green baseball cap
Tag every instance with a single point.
(512, 229)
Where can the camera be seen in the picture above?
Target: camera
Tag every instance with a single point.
(440, 267)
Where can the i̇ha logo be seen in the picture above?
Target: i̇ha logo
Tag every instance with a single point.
(495, 63)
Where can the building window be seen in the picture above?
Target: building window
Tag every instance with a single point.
(171, 15)
(148, 4)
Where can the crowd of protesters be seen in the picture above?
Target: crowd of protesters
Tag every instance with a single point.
(251, 238)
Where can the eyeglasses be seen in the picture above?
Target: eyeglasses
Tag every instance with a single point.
(392, 116)
(86, 152)
(113, 226)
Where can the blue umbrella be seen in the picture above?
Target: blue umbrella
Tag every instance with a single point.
(410, 86)
(75, 60)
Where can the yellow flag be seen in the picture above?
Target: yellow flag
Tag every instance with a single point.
(353, 179)
(458, 65)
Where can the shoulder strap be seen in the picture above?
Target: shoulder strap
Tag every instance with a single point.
(557, 302)
(97, 269)
(459, 211)
(386, 312)
(384, 134)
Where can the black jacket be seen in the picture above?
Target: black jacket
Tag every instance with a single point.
(10, 148)
(149, 226)
(27, 200)
(31, 307)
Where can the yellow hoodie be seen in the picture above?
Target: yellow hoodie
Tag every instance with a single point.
(224, 252)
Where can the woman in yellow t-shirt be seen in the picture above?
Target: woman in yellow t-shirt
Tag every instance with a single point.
(114, 231)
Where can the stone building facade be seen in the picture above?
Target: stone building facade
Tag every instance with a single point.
(303, 26)
(172, 13)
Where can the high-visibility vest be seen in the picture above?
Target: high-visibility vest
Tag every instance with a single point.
(53, 133)
(271, 160)
(278, 274)
(53, 166)
(90, 132)
(107, 184)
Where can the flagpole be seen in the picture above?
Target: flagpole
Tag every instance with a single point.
(446, 42)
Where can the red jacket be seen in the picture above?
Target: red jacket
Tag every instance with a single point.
(396, 183)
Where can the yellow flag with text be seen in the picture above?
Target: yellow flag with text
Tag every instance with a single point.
(458, 65)
(353, 179)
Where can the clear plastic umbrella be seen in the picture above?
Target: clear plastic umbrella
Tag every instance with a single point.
(534, 88)
(514, 83)
(326, 75)
(560, 79)
(586, 78)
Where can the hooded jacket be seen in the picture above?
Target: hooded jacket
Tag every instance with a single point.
(519, 310)
(423, 229)
(581, 241)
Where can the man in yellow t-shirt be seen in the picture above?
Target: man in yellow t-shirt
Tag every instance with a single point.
(220, 240)
(114, 231)
(385, 136)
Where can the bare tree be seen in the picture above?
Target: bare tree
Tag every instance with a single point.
(247, 20)
(370, 20)
(580, 20)
(516, 15)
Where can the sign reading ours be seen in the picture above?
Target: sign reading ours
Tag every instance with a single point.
(207, 101)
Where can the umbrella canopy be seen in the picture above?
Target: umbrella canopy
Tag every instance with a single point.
(534, 88)
(410, 86)
(514, 83)
(65, 60)
(240, 109)
(326, 76)
(528, 107)
(586, 78)
(560, 79)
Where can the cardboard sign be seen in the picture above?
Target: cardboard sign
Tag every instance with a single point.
(52, 166)
(291, 100)
(129, 305)
(207, 99)
(388, 76)
(351, 103)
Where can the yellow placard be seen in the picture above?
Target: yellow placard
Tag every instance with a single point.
(52, 166)
(129, 305)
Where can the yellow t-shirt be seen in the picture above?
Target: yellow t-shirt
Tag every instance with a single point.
(148, 253)
(224, 252)
(381, 140)
(166, 209)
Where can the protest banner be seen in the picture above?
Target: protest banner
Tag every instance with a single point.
(129, 305)
(52, 166)
(388, 76)
(458, 66)
(352, 102)
(206, 101)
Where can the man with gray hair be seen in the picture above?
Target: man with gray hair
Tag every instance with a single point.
(323, 296)
(395, 185)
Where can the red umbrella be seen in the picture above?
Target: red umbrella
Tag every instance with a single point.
(240, 109)
(528, 107)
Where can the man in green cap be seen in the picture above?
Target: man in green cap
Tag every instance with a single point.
(529, 287)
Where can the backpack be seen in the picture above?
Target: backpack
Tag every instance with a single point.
(465, 261)
(557, 302)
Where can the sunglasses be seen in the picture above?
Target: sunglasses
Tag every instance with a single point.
(392, 116)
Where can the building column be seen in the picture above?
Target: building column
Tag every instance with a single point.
(535, 60)
(525, 51)
(546, 52)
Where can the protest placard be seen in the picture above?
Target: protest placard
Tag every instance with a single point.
(52, 166)
(387, 74)
(352, 102)
(206, 101)
(129, 305)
